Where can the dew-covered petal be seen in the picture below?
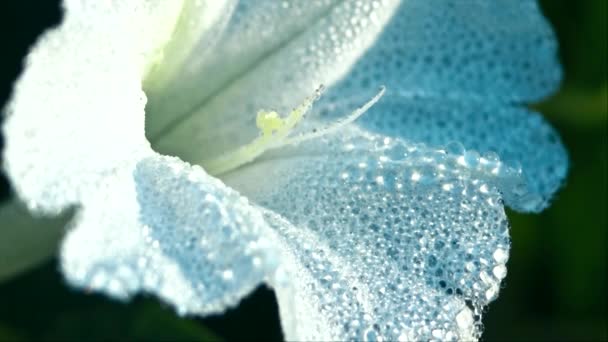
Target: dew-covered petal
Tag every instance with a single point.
(463, 79)
(381, 238)
(196, 31)
(77, 110)
(502, 51)
(26, 241)
(169, 229)
(272, 55)
(498, 135)
(460, 72)
(254, 31)
(340, 293)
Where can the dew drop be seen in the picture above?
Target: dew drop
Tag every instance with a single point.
(500, 255)
(464, 319)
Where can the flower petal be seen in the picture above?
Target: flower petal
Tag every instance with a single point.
(197, 30)
(219, 56)
(519, 137)
(359, 294)
(168, 228)
(503, 51)
(477, 49)
(384, 238)
(78, 109)
(271, 56)
(455, 73)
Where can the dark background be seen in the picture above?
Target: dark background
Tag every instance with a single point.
(556, 288)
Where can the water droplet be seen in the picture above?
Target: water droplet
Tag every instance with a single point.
(371, 335)
(432, 261)
(500, 272)
(484, 188)
(416, 176)
(455, 148)
(492, 293)
(500, 255)
(464, 319)
(397, 152)
(471, 158)
(228, 275)
(438, 334)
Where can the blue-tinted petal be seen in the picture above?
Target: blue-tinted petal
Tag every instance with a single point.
(514, 135)
(490, 50)
(382, 238)
(169, 229)
(459, 71)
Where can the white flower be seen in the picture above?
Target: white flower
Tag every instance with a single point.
(377, 230)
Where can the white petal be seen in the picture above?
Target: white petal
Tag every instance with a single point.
(197, 30)
(78, 109)
(24, 240)
(270, 57)
(382, 238)
(168, 228)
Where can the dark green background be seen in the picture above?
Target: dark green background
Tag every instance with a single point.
(556, 287)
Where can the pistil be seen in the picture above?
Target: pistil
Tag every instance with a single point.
(275, 132)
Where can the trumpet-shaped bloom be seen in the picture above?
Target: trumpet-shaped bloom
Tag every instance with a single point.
(183, 134)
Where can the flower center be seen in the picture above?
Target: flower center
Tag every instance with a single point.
(276, 131)
(225, 138)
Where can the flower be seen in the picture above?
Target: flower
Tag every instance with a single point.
(379, 229)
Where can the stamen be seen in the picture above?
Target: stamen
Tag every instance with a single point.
(274, 133)
(316, 133)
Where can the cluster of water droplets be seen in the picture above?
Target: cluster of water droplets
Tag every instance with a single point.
(386, 240)
(515, 148)
(525, 143)
(169, 229)
(463, 50)
(461, 72)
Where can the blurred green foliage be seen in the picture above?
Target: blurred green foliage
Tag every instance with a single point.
(556, 288)
(39, 306)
